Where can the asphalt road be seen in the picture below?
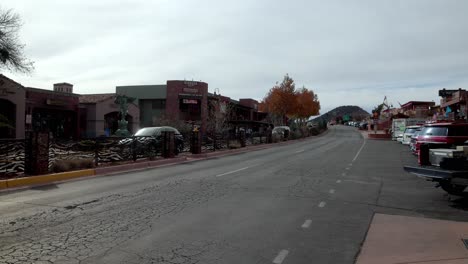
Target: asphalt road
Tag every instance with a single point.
(307, 202)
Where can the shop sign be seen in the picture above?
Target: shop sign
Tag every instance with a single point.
(190, 101)
(190, 95)
(56, 102)
(190, 90)
(190, 83)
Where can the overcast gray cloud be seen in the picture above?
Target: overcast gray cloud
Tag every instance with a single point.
(348, 52)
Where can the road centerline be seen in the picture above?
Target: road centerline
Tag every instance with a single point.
(231, 172)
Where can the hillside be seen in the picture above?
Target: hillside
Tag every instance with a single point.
(356, 113)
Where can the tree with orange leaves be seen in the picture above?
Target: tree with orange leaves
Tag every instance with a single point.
(307, 104)
(283, 100)
(280, 100)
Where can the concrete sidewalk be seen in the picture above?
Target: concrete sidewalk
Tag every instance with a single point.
(395, 239)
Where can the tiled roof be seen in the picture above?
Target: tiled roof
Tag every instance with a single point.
(95, 98)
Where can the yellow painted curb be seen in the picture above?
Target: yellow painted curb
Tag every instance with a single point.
(42, 179)
(3, 185)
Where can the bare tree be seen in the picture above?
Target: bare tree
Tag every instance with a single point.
(219, 115)
(11, 50)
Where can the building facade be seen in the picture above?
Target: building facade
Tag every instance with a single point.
(12, 108)
(99, 115)
(453, 104)
(53, 111)
(177, 100)
(417, 109)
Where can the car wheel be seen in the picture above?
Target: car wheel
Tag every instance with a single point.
(179, 148)
(453, 188)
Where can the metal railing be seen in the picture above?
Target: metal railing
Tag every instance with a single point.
(66, 155)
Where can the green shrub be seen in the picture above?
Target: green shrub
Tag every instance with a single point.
(296, 134)
(234, 144)
(314, 131)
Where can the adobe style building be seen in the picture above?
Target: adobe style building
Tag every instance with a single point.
(12, 108)
(27, 108)
(454, 103)
(67, 115)
(99, 115)
(179, 100)
(417, 109)
(190, 101)
(53, 111)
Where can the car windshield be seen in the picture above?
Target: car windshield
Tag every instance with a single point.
(434, 131)
(410, 130)
(146, 132)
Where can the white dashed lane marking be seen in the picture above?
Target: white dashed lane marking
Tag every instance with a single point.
(332, 191)
(281, 256)
(322, 204)
(306, 223)
(338, 181)
(230, 172)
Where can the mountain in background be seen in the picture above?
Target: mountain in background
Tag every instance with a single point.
(355, 112)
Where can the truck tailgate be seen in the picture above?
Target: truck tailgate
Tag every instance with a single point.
(435, 172)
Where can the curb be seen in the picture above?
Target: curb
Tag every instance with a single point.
(57, 177)
(30, 181)
(44, 179)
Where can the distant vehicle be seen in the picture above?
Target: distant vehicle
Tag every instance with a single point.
(399, 125)
(409, 132)
(152, 137)
(283, 131)
(363, 125)
(443, 134)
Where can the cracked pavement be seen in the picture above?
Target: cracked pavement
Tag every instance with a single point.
(209, 212)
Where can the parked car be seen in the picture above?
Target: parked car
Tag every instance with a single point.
(152, 137)
(409, 132)
(363, 125)
(446, 134)
(282, 131)
(413, 139)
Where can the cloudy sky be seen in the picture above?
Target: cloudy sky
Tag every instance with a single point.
(350, 52)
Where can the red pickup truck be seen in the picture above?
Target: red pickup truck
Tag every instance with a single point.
(447, 134)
